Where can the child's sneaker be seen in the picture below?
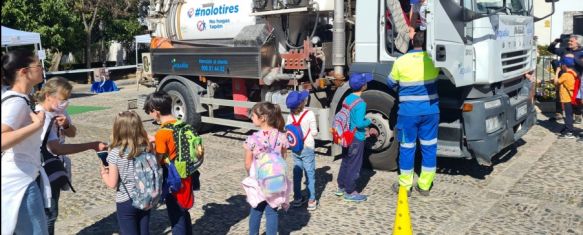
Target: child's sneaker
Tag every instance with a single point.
(567, 135)
(355, 197)
(339, 192)
(298, 202)
(312, 205)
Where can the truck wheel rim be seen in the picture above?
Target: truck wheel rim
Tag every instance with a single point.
(385, 134)
(178, 105)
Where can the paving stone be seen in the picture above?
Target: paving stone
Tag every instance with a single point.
(532, 188)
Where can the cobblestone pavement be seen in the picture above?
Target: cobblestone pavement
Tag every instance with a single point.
(531, 189)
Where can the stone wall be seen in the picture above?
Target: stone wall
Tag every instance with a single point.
(568, 20)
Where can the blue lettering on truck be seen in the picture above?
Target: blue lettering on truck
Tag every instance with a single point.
(213, 65)
(213, 11)
(221, 14)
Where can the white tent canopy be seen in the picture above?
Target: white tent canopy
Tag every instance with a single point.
(13, 37)
(145, 38)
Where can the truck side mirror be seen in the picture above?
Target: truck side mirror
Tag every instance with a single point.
(552, 12)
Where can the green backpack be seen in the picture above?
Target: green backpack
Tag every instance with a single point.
(187, 142)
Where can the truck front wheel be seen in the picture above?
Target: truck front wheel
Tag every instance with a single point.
(183, 106)
(383, 148)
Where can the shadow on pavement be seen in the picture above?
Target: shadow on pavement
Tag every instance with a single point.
(108, 225)
(219, 218)
(552, 125)
(293, 220)
(470, 167)
(80, 95)
(364, 178)
(322, 180)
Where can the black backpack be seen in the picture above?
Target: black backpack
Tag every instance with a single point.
(53, 165)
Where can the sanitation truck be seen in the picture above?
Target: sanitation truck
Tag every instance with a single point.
(217, 58)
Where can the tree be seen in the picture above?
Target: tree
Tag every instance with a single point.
(60, 30)
(92, 10)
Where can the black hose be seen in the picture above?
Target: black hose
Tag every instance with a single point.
(311, 35)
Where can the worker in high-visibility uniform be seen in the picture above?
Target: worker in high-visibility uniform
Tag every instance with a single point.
(414, 76)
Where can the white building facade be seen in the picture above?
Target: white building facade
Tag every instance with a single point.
(567, 19)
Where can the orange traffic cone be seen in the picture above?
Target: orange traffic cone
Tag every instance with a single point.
(402, 218)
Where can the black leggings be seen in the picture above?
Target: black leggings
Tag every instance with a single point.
(568, 117)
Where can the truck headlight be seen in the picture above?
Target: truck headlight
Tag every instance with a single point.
(492, 124)
(493, 104)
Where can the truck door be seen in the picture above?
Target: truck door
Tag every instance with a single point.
(446, 40)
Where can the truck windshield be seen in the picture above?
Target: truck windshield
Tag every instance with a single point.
(514, 7)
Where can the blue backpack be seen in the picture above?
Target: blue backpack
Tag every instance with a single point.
(147, 189)
(341, 132)
(294, 134)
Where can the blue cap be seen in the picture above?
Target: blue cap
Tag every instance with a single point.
(568, 61)
(358, 80)
(295, 99)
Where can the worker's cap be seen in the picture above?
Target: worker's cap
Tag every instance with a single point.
(358, 80)
(295, 99)
(567, 61)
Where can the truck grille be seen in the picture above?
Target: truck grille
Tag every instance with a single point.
(513, 61)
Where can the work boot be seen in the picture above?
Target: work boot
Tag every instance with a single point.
(395, 189)
(421, 191)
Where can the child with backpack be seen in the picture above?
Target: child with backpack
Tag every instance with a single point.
(181, 153)
(53, 100)
(266, 186)
(355, 108)
(301, 128)
(133, 171)
(566, 84)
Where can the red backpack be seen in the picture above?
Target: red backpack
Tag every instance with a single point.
(574, 100)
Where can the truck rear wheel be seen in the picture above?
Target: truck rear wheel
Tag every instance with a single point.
(183, 106)
(383, 149)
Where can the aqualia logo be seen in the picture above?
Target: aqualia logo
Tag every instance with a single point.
(190, 12)
(178, 65)
(201, 25)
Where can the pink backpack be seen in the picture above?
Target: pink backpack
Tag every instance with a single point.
(271, 171)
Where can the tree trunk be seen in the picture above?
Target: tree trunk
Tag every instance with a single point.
(88, 57)
(55, 62)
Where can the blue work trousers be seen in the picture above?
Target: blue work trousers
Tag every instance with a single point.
(409, 129)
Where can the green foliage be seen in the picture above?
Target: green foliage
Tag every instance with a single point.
(60, 29)
(542, 50)
(546, 91)
(60, 24)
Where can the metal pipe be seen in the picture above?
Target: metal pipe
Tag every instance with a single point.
(339, 39)
(277, 74)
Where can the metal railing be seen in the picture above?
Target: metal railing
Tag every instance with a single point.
(544, 73)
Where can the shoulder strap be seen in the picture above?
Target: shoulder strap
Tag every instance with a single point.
(300, 121)
(276, 140)
(301, 117)
(122, 180)
(17, 96)
(573, 73)
(46, 137)
(354, 103)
